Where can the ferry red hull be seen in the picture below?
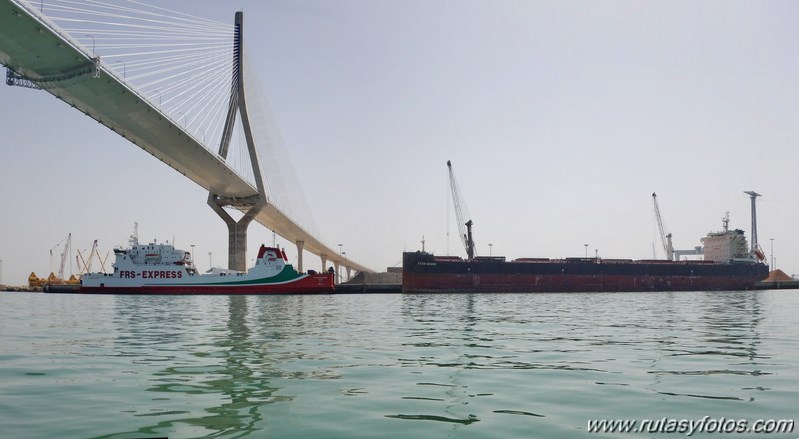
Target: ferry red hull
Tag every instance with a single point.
(312, 284)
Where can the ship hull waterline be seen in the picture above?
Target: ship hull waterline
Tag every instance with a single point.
(314, 284)
(423, 273)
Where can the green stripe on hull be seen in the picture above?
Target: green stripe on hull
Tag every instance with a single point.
(288, 274)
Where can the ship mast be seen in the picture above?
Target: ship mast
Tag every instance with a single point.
(464, 227)
(134, 238)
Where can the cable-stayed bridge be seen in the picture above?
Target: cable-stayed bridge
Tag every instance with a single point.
(177, 86)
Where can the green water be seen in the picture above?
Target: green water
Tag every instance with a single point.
(389, 366)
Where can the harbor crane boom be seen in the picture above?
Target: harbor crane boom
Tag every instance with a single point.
(64, 256)
(665, 238)
(464, 227)
(51, 253)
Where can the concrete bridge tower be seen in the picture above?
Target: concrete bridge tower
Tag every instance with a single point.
(237, 230)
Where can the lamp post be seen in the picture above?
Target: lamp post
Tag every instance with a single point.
(772, 253)
(490, 246)
(586, 250)
(192, 252)
(338, 275)
(210, 261)
(344, 255)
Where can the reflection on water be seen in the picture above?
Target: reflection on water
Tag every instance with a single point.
(231, 365)
(387, 365)
(594, 335)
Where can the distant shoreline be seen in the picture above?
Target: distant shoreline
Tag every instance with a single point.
(20, 289)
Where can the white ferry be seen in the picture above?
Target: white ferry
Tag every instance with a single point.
(162, 269)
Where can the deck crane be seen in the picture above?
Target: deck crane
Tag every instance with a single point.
(665, 238)
(668, 248)
(464, 227)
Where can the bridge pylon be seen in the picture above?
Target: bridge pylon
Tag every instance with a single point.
(237, 230)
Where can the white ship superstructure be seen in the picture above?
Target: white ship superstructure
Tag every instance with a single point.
(153, 254)
(727, 245)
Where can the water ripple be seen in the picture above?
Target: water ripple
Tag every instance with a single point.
(477, 365)
(518, 412)
(469, 420)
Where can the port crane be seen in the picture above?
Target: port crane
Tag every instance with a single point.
(464, 227)
(52, 270)
(665, 238)
(64, 256)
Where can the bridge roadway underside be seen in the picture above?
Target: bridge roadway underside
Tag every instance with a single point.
(30, 47)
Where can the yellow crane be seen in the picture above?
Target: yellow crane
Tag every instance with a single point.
(85, 265)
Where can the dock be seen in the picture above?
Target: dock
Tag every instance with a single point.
(778, 280)
(373, 283)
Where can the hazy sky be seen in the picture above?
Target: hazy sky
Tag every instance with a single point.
(560, 117)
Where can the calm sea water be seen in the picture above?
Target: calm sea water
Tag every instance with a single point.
(372, 366)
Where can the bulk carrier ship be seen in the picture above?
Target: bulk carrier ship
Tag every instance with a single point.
(728, 264)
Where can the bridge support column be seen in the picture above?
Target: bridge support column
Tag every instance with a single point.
(237, 233)
(324, 263)
(300, 245)
(338, 272)
(349, 273)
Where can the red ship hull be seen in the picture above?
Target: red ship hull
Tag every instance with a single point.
(321, 283)
(425, 273)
